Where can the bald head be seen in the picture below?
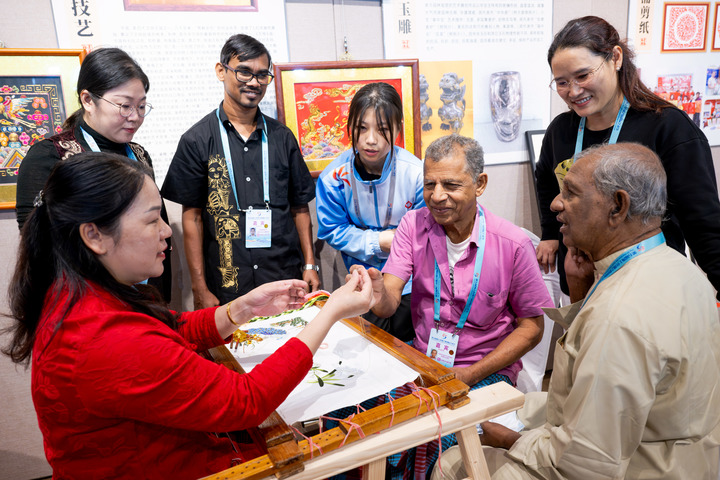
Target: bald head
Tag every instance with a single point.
(635, 169)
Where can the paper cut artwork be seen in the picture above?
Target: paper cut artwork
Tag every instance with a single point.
(347, 369)
(685, 27)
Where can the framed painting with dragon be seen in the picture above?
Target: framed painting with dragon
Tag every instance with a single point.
(313, 101)
(36, 93)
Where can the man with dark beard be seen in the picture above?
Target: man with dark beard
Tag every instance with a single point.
(237, 170)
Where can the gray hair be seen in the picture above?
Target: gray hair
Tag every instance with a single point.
(444, 146)
(635, 169)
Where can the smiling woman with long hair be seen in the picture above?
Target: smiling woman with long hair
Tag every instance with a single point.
(593, 72)
(119, 388)
(112, 93)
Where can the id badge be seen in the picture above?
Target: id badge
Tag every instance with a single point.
(442, 347)
(258, 228)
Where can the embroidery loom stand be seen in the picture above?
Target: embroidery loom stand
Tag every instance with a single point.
(407, 422)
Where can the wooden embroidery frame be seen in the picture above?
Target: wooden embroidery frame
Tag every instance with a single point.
(404, 421)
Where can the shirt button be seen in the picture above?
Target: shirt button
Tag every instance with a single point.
(247, 179)
(246, 149)
(450, 303)
(255, 267)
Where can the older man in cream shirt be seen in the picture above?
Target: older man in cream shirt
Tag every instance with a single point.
(635, 390)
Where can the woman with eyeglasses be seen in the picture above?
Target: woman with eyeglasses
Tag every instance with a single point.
(117, 383)
(112, 92)
(594, 73)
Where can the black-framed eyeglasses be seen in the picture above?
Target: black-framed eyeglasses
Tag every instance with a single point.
(127, 110)
(244, 75)
(581, 80)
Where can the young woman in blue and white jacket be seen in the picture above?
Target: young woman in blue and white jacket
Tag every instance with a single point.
(362, 195)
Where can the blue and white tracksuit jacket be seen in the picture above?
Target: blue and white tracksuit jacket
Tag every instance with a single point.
(338, 223)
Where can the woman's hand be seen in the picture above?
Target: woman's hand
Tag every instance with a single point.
(385, 239)
(354, 298)
(546, 253)
(350, 300)
(269, 299)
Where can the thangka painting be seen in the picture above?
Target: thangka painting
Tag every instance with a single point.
(347, 368)
(32, 110)
(314, 98)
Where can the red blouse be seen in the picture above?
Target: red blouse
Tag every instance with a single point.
(118, 394)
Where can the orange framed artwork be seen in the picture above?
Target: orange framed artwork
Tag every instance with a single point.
(313, 101)
(37, 92)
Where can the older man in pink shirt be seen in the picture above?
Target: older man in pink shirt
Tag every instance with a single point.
(477, 289)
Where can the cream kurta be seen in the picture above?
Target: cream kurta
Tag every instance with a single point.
(635, 390)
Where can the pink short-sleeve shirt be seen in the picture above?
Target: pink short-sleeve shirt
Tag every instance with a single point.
(511, 283)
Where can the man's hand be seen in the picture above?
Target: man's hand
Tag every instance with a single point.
(312, 278)
(546, 251)
(204, 299)
(465, 375)
(579, 271)
(499, 436)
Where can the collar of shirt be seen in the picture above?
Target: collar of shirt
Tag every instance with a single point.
(103, 143)
(437, 236)
(230, 127)
(565, 315)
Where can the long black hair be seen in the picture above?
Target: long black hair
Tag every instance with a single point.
(598, 36)
(102, 70)
(52, 257)
(384, 100)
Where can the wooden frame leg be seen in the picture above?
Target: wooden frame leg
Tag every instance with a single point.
(472, 454)
(374, 470)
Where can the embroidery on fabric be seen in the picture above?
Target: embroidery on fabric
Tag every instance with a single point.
(227, 226)
(142, 156)
(68, 148)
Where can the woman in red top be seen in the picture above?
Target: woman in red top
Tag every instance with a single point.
(118, 387)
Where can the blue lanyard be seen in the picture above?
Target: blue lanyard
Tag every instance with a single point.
(476, 277)
(391, 191)
(638, 249)
(615, 131)
(228, 162)
(94, 146)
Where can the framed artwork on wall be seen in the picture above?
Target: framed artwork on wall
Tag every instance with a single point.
(715, 37)
(685, 27)
(193, 5)
(37, 92)
(534, 139)
(313, 101)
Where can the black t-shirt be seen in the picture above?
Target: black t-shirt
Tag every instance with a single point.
(198, 178)
(693, 212)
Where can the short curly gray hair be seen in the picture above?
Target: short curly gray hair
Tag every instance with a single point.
(443, 147)
(635, 169)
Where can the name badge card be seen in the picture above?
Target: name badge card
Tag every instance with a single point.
(442, 347)
(258, 228)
